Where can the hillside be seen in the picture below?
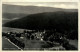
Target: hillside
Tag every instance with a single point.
(13, 15)
(31, 9)
(50, 20)
(6, 17)
(12, 12)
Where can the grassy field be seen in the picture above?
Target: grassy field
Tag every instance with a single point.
(6, 45)
(8, 29)
(74, 42)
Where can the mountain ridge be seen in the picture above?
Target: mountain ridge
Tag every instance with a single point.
(32, 9)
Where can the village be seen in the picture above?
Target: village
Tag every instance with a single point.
(53, 40)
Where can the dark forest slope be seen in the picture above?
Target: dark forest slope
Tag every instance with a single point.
(49, 20)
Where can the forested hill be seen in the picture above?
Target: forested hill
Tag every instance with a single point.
(49, 20)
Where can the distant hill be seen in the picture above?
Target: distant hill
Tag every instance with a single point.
(49, 20)
(31, 9)
(12, 12)
(13, 15)
(6, 17)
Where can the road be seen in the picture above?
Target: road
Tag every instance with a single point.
(6, 45)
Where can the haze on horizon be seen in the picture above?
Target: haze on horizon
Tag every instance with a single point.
(64, 5)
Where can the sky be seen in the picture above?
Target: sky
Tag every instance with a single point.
(66, 5)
